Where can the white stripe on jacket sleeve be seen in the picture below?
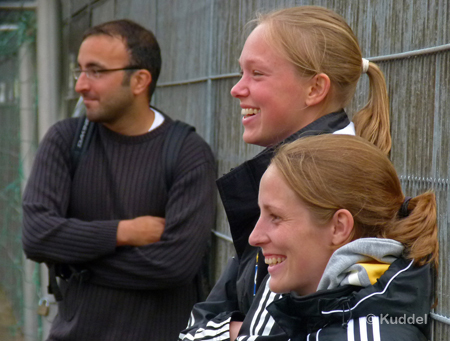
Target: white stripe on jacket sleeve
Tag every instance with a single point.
(363, 328)
(376, 328)
(220, 331)
(350, 331)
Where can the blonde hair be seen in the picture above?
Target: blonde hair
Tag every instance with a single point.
(332, 172)
(317, 40)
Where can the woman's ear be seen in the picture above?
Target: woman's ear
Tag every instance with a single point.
(343, 224)
(140, 81)
(318, 89)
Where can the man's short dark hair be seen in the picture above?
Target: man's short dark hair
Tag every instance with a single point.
(141, 44)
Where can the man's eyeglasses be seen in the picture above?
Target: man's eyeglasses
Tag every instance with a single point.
(96, 73)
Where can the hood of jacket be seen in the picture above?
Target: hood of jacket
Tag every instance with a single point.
(360, 262)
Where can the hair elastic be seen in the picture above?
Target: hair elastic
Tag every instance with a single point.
(403, 212)
(365, 65)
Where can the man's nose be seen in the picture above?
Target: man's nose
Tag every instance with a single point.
(82, 83)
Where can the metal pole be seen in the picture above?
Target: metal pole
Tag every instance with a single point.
(209, 110)
(48, 58)
(27, 144)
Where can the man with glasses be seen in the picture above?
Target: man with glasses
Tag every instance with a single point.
(127, 248)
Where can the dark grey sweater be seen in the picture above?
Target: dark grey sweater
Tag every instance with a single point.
(134, 293)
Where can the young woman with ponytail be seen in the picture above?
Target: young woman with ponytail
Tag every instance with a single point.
(300, 68)
(354, 258)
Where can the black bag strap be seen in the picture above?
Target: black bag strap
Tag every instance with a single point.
(80, 144)
(83, 136)
(53, 287)
(173, 142)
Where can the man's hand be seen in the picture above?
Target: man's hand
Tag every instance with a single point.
(235, 326)
(140, 231)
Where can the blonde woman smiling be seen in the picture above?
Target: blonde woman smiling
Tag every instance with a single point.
(348, 250)
(300, 67)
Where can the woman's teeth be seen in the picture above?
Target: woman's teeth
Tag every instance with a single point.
(274, 260)
(249, 112)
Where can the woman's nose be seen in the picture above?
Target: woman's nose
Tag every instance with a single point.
(258, 237)
(240, 89)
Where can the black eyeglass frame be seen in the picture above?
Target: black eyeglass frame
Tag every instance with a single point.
(76, 73)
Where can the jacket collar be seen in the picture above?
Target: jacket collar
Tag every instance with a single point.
(239, 188)
(404, 290)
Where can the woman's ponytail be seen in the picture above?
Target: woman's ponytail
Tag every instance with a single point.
(372, 121)
(418, 231)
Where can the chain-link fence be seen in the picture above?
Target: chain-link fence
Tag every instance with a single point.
(17, 28)
(201, 42)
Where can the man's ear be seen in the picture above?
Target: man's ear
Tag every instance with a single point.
(343, 225)
(140, 81)
(319, 87)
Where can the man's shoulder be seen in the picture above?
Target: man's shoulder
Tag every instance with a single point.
(62, 131)
(182, 139)
(195, 148)
(66, 125)
(185, 149)
(192, 142)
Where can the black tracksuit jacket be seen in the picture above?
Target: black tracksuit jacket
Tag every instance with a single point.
(395, 308)
(233, 294)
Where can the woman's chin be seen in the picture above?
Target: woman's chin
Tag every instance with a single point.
(251, 138)
(277, 288)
